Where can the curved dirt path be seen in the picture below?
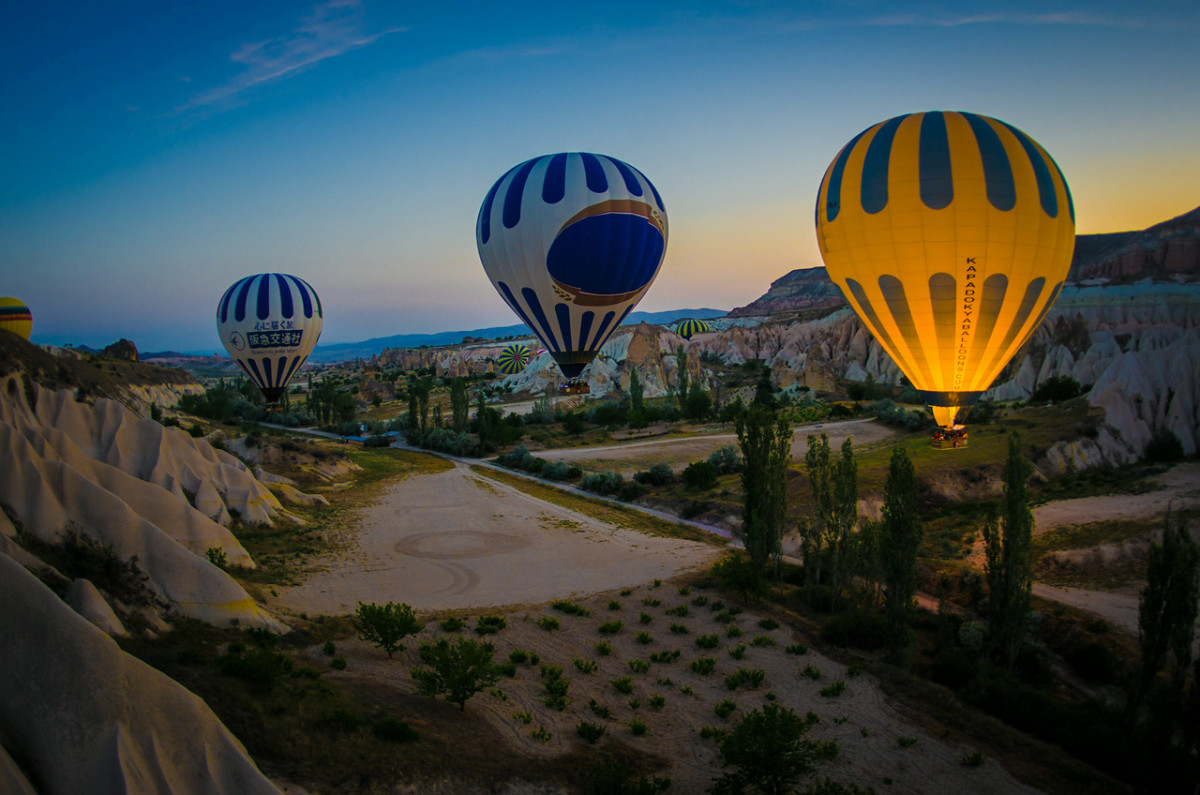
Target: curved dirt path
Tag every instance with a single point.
(1181, 489)
(455, 540)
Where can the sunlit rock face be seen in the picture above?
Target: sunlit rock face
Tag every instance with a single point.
(146, 491)
(83, 716)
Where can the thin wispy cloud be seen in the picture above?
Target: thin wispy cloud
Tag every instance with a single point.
(332, 29)
(1076, 19)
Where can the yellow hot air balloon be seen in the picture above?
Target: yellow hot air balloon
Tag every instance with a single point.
(950, 234)
(15, 317)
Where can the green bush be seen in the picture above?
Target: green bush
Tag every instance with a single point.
(856, 628)
(623, 684)
(611, 627)
(489, 625)
(338, 663)
(591, 732)
(548, 623)
(585, 666)
(834, 689)
(453, 624)
(603, 483)
(700, 476)
(637, 727)
(603, 648)
(708, 641)
(386, 625)
(796, 648)
(703, 665)
(657, 475)
(644, 638)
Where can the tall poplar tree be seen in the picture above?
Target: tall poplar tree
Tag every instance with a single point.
(900, 537)
(766, 444)
(1008, 540)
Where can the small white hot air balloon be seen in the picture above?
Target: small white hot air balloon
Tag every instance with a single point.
(269, 323)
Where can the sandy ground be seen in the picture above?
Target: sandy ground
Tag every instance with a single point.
(456, 540)
(630, 457)
(866, 728)
(1181, 489)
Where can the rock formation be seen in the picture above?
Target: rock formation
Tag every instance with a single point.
(129, 483)
(80, 715)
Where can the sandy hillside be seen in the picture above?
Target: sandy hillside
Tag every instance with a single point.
(456, 540)
(630, 457)
(866, 728)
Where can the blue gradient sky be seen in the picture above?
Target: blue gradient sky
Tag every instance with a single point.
(153, 153)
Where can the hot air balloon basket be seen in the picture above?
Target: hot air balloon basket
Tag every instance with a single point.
(574, 388)
(944, 439)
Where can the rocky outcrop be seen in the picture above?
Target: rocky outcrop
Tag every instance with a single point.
(148, 492)
(1169, 251)
(121, 349)
(83, 716)
(805, 288)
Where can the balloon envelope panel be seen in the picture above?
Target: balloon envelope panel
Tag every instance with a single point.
(269, 324)
(514, 359)
(950, 234)
(15, 317)
(686, 328)
(572, 241)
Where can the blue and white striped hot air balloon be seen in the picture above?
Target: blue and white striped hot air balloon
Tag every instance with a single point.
(572, 241)
(270, 323)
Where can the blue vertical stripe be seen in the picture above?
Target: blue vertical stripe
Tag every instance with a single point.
(255, 375)
(292, 370)
(875, 167)
(511, 300)
(485, 214)
(239, 307)
(268, 378)
(516, 190)
(600, 332)
(539, 314)
(264, 296)
(657, 199)
(1045, 182)
(833, 196)
(933, 161)
(317, 298)
(997, 171)
(305, 301)
(564, 324)
(223, 312)
(631, 182)
(585, 325)
(285, 296)
(554, 186)
(1066, 188)
(594, 173)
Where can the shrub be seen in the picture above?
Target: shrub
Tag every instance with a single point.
(645, 618)
(585, 666)
(637, 727)
(599, 710)
(738, 651)
(489, 625)
(329, 648)
(631, 491)
(623, 684)
(658, 701)
(665, 656)
(591, 732)
(708, 641)
(217, 557)
(603, 648)
(657, 475)
(523, 717)
(262, 668)
(724, 708)
(906, 742)
(796, 648)
(768, 752)
(762, 640)
(768, 623)
(700, 476)
(811, 672)
(644, 638)
(639, 666)
(856, 628)
(680, 610)
(453, 624)
(548, 623)
(649, 602)
(338, 663)
(700, 601)
(508, 669)
(972, 759)
(603, 483)
(834, 689)
(518, 656)
(703, 665)
(541, 734)
(726, 460)
(613, 604)
(385, 626)
(611, 627)
(570, 608)
(679, 629)
(745, 676)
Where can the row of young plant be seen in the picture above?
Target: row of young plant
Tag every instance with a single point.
(464, 666)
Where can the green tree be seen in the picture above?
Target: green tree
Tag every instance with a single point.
(386, 625)
(1167, 609)
(766, 444)
(460, 670)
(681, 369)
(769, 752)
(460, 405)
(900, 537)
(1008, 542)
(698, 405)
(834, 486)
(637, 398)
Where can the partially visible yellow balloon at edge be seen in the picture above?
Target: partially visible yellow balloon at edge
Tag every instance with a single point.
(950, 234)
(15, 317)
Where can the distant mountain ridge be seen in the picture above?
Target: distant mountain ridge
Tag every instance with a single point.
(367, 348)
